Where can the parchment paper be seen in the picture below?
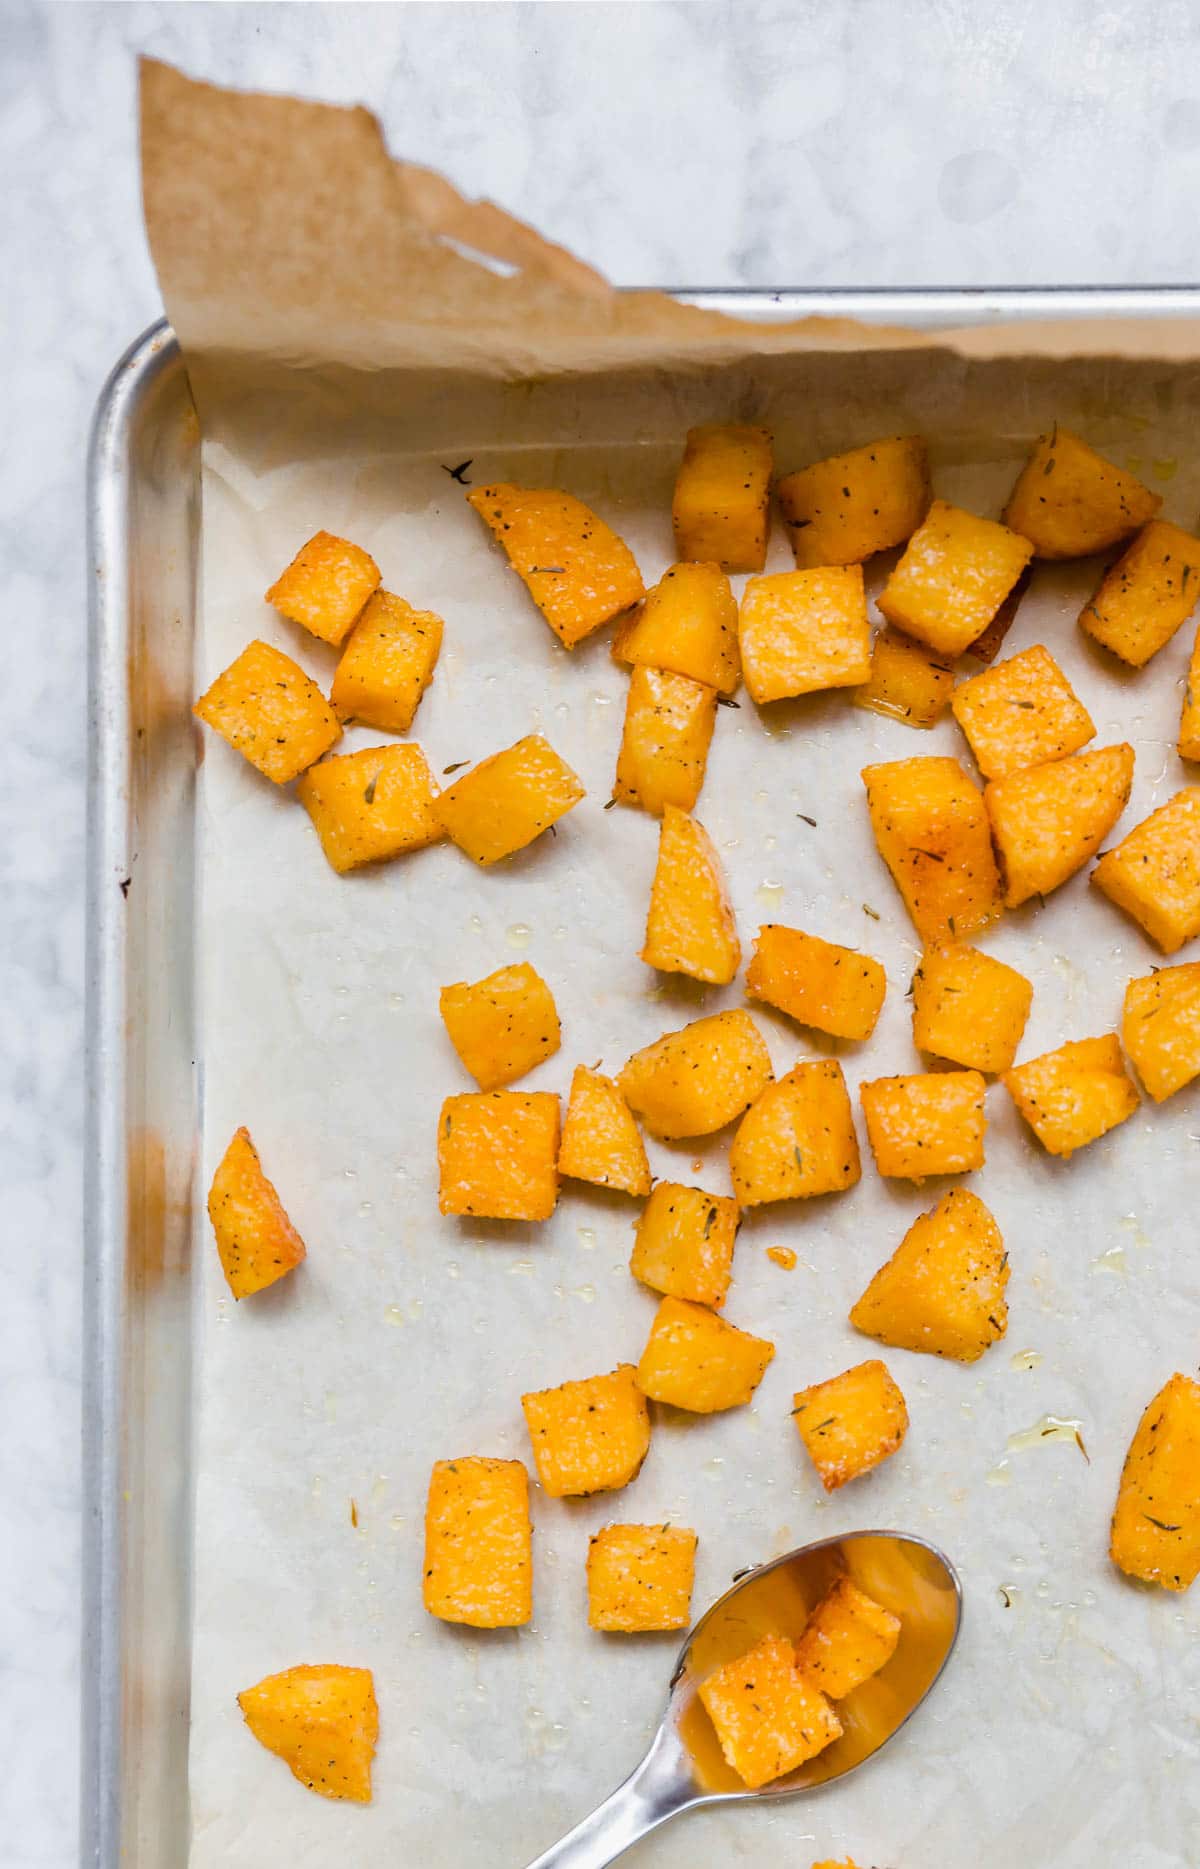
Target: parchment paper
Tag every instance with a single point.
(1065, 1732)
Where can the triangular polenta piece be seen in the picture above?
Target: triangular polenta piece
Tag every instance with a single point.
(601, 1142)
(578, 572)
(690, 928)
(942, 1290)
(1047, 821)
(323, 1722)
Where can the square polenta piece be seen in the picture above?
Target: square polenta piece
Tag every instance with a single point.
(907, 682)
(1021, 712)
(847, 508)
(931, 828)
(506, 801)
(683, 1243)
(797, 1138)
(256, 1241)
(930, 1123)
(387, 664)
(1160, 1028)
(498, 1154)
(1074, 1095)
(694, 1081)
(767, 1716)
(846, 1640)
(688, 624)
(1156, 1525)
(601, 1142)
(503, 1026)
(969, 1008)
(578, 572)
(954, 575)
(1146, 596)
(833, 989)
(696, 1360)
(1069, 501)
(664, 742)
(851, 1422)
(801, 631)
(722, 496)
(270, 712)
(371, 805)
(639, 1577)
(326, 586)
(479, 1543)
(589, 1436)
(1154, 872)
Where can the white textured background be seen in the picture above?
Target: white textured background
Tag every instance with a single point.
(872, 142)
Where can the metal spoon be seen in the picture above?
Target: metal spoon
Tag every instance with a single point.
(685, 1767)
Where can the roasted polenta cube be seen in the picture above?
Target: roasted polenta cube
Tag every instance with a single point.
(843, 1862)
(506, 801)
(323, 1722)
(1156, 1525)
(683, 1245)
(768, 1718)
(1160, 1028)
(694, 1081)
(930, 1123)
(1068, 500)
(690, 927)
(1146, 596)
(907, 682)
(800, 631)
(955, 573)
(969, 1008)
(696, 1360)
(256, 1241)
(589, 1436)
(479, 1543)
(833, 989)
(665, 740)
(797, 1139)
(844, 509)
(1074, 1095)
(932, 832)
(326, 586)
(722, 496)
(270, 713)
(369, 806)
(387, 664)
(639, 1577)
(601, 1142)
(1021, 712)
(498, 1155)
(1154, 872)
(1048, 821)
(578, 572)
(687, 624)
(942, 1290)
(502, 1026)
(851, 1422)
(1189, 718)
(846, 1640)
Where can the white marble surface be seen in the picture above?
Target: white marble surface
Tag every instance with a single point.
(871, 142)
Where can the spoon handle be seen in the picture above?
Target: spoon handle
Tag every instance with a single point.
(656, 1789)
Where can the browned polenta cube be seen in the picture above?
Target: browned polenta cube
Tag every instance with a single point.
(684, 1243)
(1048, 821)
(930, 1123)
(1144, 598)
(844, 509)
(834, 989)
(694, 1081)
(589, 1436)
(932, 831)
(722, 496)
(942, 1290)
(479, 1543)
(851, 1422)
(907, 682)
(1160, 1028)
(846, 1640)
(688, 624)
(954, 575)
(969, 1008)
(1154, 872)
(1156, 1525)
(665, 740)
(1020, 713)
(601, 1142)
(498, 1154)
(501, 1027)
(256, 1241)
(1189, 718)
(578, 572)
(506, 801)
(690, 927)
(325, 586)
(323, 1722)
(768, 1718)
(843, 1862)
(696, 1360)
(270, 712)
(369, 806)
(800, 631)
(639, 1577)
(1073, 1095)
(1068, 500)
(797, 1139)
(387, 664)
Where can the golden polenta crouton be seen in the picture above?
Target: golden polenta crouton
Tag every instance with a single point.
(800, 631)
(323, 1722)
(683, 1245)
(1160, 1028)
(844, 509)
(1048, 821)
(369, 806)
(479, 1543)
(1021, 712)
(955, 573)
(833, 989)
(929, 1123)
(501, 1027)
(907, 682)
(387, 664)
(601, 1142)
(665, 740)
(256, 1241)
(1189, 718)
(507, 800)
(696, 1360)
(1068, 500)
(767, 1717)
(1145, 597)
(578, 572)
(269, 711)
(688, 624)
(690, 927)
(325, 586)
(639, 1577)
(942, 1290)
(694, 1081)
(498, 1154)
(589, 1436)
(1154, 872)
(1074, 1095)
(846, 1640)
(722, 496)
(969, 1007)
(851, 1422)
(932, 832)
(797, 1139)
(1156, 1525)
